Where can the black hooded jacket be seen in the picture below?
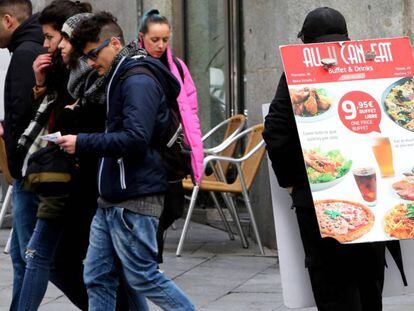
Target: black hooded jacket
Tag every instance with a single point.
(25, 45)
(282, 139)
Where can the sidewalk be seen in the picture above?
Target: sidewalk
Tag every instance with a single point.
(217, 274)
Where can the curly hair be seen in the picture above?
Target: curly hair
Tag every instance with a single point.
(101, 26)
(59, 11)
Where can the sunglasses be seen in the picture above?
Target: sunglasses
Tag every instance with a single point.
(93, 54)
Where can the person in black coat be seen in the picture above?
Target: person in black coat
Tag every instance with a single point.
(22, 35)
(343, 277)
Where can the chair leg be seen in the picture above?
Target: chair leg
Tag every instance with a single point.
(187, 220)
(4, 208)
(255, 229)
(222, 216)
(7, 248)
(232, 209)
(6, 204)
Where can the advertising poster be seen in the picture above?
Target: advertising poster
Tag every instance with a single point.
(354, 108)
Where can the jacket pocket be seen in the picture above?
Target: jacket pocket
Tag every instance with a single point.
(122, 173)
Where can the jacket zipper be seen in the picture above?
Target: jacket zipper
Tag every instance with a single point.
(122, 173)
(106, 130)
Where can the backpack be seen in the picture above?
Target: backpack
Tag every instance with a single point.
(175, 152)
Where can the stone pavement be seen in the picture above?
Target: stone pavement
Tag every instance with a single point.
(217, 274)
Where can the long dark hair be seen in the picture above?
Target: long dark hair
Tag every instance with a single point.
(57, 12)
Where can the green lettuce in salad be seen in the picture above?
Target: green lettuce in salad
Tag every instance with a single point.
(324, 167)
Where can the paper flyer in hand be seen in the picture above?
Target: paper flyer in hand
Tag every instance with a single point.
(52, 137)
(353, 103)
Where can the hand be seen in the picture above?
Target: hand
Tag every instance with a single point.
(67, 143)
(72, 107)
(41, 63)
(290, 189)
(1, 129)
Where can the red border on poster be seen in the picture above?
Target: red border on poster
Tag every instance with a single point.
(354, 60)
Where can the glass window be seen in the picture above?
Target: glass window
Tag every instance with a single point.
(207, 56)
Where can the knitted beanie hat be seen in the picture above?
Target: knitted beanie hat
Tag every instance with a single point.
(72, 22)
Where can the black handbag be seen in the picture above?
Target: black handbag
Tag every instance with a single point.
(49, 172)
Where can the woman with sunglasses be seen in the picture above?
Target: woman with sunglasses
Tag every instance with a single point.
(154, 36)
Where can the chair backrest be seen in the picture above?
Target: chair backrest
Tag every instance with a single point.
(250, 166)
(234, 125)
(3, 163)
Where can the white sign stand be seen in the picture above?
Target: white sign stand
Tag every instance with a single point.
(4, 64)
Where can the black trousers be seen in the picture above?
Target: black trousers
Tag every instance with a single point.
(67, 273)
(344, 277)
(174, 202)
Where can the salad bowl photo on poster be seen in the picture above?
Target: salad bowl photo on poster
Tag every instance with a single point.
(398, 102)
(325, 169)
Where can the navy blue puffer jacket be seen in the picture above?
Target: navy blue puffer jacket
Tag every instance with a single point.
(137, 114)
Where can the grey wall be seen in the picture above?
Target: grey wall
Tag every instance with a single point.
(270, 23)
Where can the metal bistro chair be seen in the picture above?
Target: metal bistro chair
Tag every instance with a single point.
(247, 167)
(7, 200)
(234, 125)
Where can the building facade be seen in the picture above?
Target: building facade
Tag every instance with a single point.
(231, 47)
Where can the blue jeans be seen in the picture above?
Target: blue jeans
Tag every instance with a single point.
(24, 219)
(39, 257)
(117, 233)
(68, 278)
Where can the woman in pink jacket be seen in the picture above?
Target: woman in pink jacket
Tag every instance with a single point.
(154, 36)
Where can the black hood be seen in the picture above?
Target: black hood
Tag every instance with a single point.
(29, 30)
(330, 38)
(322, 24)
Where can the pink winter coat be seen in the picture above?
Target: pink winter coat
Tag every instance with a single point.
(188, 104)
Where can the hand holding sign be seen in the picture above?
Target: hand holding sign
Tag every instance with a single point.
(360, 112)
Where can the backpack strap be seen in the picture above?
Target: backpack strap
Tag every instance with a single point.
(142, 69)
(139, 70)
(179, 67)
